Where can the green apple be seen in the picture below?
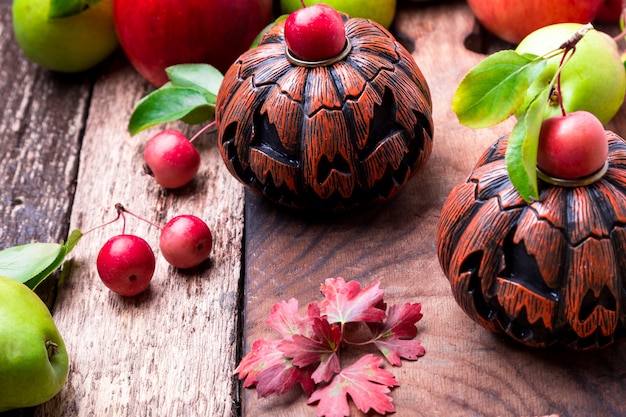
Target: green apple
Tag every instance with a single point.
(33, 359)
(593, 79)
(68, 44)
(381, 11)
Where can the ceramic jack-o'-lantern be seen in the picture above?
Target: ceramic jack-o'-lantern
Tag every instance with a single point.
(332, 134)
(547, 272)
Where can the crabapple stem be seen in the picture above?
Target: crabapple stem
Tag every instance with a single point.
(558, 80)
(201, 131)
(104, 224)
(567, 49)
(622, 34)
(121, 209)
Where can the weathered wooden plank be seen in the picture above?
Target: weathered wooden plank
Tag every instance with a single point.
(41, 123)
(170, 350)
(466, 369)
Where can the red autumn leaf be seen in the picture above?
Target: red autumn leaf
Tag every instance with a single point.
(266, 368)
(285, 318)
(322, 349)
(364, 381)
(394, 337)
(346, 302)
(308, 353)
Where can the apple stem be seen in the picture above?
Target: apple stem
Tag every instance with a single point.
(201, 131)
(52, 348)
(303, 5)
(569, 44)
(576, 37)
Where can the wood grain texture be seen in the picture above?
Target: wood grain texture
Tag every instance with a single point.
(41, 125)
(171, 350)
(39, 144)
(467, 371)
(67, 159)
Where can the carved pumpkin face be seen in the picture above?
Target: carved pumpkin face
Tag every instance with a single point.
(329, 136)
(543, 273)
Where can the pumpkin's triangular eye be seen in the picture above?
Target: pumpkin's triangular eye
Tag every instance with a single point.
(266, 139)
(522, 269)
(383, 124)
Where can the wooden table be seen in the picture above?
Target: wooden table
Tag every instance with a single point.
(67, 159)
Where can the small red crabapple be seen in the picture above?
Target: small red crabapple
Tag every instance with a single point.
(185, 241)
(126, 264)
(171, 158)
(315, 33)
(572, 146)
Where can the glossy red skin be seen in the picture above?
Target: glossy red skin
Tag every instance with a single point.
(126, 264)
(156, 34)
(185, 241)
(173, 160)
(315, 33)
(610, 11)
(572, 146)
(513, 20)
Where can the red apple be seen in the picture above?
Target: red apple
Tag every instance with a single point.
(610, 11)
(512, 20)
(156, 34)
(572, 146)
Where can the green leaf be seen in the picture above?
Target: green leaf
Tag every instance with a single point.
(66, 8)
(24, 262)
(202, 77)
(33, 282)
(190, 96)
(521, 152)
(495, 88)
(32, 263)
(72, 240)
(169, 104)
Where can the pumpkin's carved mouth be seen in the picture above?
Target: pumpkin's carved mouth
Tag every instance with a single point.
(590, 302)
(521, 305)
(279, 171)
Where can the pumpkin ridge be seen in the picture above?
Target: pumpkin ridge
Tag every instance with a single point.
(323, 137)
(552, 271)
